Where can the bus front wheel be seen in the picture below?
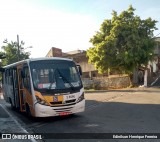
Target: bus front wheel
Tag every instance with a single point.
(28, 111)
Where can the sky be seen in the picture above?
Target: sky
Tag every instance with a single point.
(65, 24)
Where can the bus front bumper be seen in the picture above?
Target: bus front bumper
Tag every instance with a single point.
(48, 111)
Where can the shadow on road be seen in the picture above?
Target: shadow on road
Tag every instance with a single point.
(114, 114)
(99, 117)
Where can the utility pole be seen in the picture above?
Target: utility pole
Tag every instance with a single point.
(18, 46)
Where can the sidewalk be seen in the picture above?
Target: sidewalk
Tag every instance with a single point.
(110, 95)
(115, 90)
(8, 124)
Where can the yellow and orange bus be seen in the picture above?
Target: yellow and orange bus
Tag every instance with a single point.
(44, 87)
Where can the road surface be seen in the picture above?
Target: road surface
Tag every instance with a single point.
(134, 110)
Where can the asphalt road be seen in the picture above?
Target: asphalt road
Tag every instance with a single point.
(116, 111)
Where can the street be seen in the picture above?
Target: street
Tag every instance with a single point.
(134, 110)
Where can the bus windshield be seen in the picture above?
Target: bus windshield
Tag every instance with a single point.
(55, 74)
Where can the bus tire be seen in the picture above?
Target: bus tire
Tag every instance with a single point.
(18, 107)
(28, 111)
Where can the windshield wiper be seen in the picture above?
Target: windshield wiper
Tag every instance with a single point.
(65, 79)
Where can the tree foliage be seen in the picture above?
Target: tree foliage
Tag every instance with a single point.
(123, 42)
(2, 55)
(11, 52)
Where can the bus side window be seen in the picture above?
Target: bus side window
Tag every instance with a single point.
(7, 76)
(26, 79)
(10, 77)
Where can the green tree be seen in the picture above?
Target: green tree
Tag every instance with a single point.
(11, 52)
(123, 42)
(2, 55)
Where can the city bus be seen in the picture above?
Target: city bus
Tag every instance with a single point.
(44, 87)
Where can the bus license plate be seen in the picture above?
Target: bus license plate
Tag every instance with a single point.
(69, 97)
(64, 113)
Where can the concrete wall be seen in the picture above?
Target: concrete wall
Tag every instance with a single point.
(86, 67)
(112, 82)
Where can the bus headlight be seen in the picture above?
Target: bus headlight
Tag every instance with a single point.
(81, 98)
(42, 102)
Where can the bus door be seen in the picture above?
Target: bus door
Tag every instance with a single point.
(15, 89)
(27, 88)
(21, 89)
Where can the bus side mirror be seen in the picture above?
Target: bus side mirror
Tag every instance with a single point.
(79, 69)
(2, 69)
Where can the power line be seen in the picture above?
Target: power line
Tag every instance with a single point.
(157, 35)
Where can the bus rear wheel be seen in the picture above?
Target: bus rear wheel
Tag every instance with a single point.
(12, 106)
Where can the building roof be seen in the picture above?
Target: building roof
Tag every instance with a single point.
(75, 52)
(157, 39)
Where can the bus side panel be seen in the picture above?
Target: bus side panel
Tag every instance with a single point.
(29, 101)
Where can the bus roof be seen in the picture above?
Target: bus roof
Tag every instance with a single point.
(37, 59)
